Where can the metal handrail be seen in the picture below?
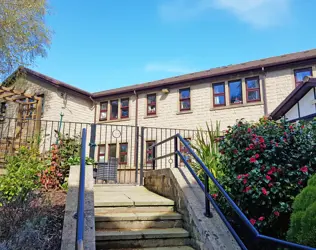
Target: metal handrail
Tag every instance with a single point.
(208, 198)
(80, 211)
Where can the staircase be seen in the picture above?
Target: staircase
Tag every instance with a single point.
(131, 217)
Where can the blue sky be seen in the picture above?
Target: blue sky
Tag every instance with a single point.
(104, 44)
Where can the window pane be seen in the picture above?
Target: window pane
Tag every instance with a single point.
(185, 104)
(123, 148)
(102, 150)
(124, 103)
(124, 112)
(184, 93)
(149, 152)
(151, 108)
(151, 99)
(104, 106)
(252, 83)
(299, 75)
(235, 92)
(112, 150)
(101, 158)
(219, 100)
(103, 115)
(123, 158)
(114, 109)
(253, 95)
(219, 88)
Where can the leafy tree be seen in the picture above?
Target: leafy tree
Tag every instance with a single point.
(23, 33)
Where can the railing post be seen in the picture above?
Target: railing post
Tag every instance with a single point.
(80, 212)
(207, 191)
(92, 140)
(175, 151)
(136, 153)
(154, 156)
(141, 176)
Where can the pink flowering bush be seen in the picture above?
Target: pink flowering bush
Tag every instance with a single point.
(265, 165)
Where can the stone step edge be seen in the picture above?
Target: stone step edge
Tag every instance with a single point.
(155, 216)
(138, 204)
(159, 248)
(111, 235)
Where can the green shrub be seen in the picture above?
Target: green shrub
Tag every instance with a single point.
(303, 219)
(22, 176)
(265, 165)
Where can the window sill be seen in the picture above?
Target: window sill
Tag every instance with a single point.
(184, 112)
(117, 120)
(150, 116)
(233, 106)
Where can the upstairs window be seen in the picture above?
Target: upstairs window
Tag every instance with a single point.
(114, 110)
(253, 89)
(151, 104)
(101, 154)
(300, 74)
(103, 111)
(185, 100)
(112, 151)
(123, 153)
(124, 108)
(235, 92)
(219, 94)
(184, 150)
(149, 151)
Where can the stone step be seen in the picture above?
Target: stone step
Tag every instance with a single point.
(161, 248)
(137, 220)
(141, 238)
(133, 209)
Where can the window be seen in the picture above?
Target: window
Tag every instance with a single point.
(185, 103)
(103, 111)
(253, 89)
(101, 154)
(112, 151)
(123, 153)
(235, 92)
(300, 74)
(219, 94)
(151, 104)
(184, 150)
(114, 110)
(124, 108)
(149, 152)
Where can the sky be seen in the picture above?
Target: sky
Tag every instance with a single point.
(105, 44)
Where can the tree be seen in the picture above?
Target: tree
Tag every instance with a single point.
(23, 33)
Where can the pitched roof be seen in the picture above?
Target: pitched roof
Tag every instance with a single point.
(252, 65)
(297, 94)
(214, 72)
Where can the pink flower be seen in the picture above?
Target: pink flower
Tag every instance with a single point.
(246, 175)
(284, 139)
(251, 146)
(239, 176)
(273, 169)
(261, 218)
(270, 184)
(252, 160)
(276, 213)
(252, 221)
(302, 126)
(247, 149)
(235, 151)
(249, 130)
(276, 144)
(304, 169)
(257, 156)
(268, 177)
(261, 139)
(291, 127)
(247, 189)
(244, 181)
(264, 191)
(300, 182)
(214, 196)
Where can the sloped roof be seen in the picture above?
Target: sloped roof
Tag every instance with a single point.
(297, 94)
(220, 71)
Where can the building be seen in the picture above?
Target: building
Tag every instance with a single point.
(248, 90)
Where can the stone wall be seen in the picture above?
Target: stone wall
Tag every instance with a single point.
(178, 185)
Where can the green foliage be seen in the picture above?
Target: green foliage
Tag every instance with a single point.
(23, 33)
(265, 165)
(22, 175)
(303, 219)
(205, 145)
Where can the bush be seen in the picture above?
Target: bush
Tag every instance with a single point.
(303, 219)
(265, 165)
(22, 176)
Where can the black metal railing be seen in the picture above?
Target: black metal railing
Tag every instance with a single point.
(80, 208)
(255, 235)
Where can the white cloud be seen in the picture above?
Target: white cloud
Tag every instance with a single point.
(177, 67)
(258, 13)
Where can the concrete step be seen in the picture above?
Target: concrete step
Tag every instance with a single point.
(138, 220)
(161, 248)
(141, 238)
(133, 209)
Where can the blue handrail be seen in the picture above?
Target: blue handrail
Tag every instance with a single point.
(80, 211)
(255, 234)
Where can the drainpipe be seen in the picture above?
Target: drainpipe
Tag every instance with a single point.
(136, 137)
(136, 109)
(264, 92)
